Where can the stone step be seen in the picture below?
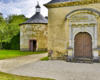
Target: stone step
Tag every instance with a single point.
(82, 60)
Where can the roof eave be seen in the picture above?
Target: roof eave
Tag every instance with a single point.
(32, 23)
(57, 4)
(72, 3)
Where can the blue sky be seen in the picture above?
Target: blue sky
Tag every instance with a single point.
(26, 7)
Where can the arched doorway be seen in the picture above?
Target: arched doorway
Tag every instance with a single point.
(83, 45)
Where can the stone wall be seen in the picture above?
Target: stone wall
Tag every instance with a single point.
(58, 27)
(38, 32)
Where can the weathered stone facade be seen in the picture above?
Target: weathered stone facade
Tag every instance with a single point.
(66, 20)
(34, 33)
(37, 32)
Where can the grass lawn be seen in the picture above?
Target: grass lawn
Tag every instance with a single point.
(45, 58)
(4, 54)
(5, 76)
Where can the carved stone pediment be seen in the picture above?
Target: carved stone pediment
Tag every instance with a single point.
(82, 17)
(82, 25)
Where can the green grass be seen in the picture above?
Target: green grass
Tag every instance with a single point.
(45, 58)
(4, 54)
(5, 76)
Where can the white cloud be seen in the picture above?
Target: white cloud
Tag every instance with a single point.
(26, 7)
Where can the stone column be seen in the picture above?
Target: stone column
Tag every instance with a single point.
(98, 34)
(97, 42)
(70, 54)
(95, 35)
(95, 54)
(70, 35)
(98, 31)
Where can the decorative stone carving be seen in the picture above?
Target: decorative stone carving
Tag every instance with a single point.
(82, 22)
(74, 3)
(82, 17)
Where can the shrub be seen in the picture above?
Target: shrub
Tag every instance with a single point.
(14, 43)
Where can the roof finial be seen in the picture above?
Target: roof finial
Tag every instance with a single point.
(37, 2)
(38, 7)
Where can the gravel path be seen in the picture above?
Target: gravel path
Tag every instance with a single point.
(9, 64)
(59, 70)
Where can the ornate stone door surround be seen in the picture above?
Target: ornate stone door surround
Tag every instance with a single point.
(82, 21)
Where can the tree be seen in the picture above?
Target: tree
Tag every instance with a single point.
(1, 15)
(3, 29)
(9, 27)
(13, 22)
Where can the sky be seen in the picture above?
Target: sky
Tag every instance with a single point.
(26, 7)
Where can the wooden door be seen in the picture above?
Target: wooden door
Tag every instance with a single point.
(79, 45)
(87, 46)
(31, 45)
(83, 45)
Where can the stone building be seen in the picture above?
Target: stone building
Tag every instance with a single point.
(74, 28)
(34, 32)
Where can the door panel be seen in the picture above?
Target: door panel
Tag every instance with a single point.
(31, 45)
(83, 45)
(87, 45)
(79, 45)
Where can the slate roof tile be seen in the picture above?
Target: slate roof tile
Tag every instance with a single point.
(37, 18)
(59, 1)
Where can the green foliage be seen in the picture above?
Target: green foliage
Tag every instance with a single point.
(3, 30)
(6, 76)
(45, 58)
(1, 15)
(4, 54)
(9, 28)
(6, 45)
(14, 43)
(13, 22)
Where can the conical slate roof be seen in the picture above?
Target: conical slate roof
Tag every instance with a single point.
(59, 1)
(37, 18)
